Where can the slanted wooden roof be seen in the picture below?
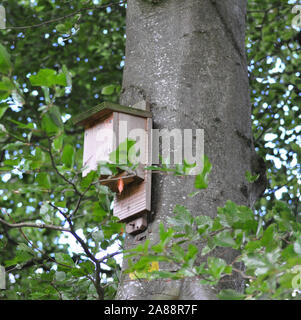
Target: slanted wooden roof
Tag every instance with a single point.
(105, 108)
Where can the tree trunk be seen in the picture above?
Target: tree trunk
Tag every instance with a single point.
(187, 58)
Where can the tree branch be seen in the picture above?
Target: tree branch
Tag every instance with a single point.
(97, 283)
(33, 225)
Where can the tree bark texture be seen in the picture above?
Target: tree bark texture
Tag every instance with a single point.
(187, 58)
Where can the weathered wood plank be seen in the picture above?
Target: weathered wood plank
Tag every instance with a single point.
(104, 109)
(98, 146)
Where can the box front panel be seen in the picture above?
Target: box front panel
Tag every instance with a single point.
(98, 144)
(136, 198)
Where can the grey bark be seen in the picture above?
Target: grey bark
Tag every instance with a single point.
(187, 58)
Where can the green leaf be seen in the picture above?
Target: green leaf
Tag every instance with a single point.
(43, 180)
(206, 250)
(60, 276)
(108, 90)
(88, 179)
(49, 125)
(98, 236)
(250, 178)
(165, 236)
(13, 146)
(178, 252)
(38, 159)
(252, 246)
(68, 76)
(98, 213)
(193, 194)
(64, 27)
(23, 254)
(256, 262)
(5, 63)
(48, 78)
(112, 228)
(268, 240)
(87, 267)
(224, 239)
(158, 248)
(21, 125)
(26, 248)
(238, 217)
(60, 204)
(201, 180)
(56, 117)
(182, 218)
(46, 92)
(3, 108)
(61, 79)
(68, 156)
(203, 221)
(58, 143)
(105, 171)
(216, 266)
(64, 259)
(6, 88)
(191, 254)
(6, 85)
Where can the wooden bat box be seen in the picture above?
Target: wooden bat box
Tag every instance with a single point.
(106, 127)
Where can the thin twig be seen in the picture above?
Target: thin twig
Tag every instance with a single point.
(66, 16)
(57, 171)
(243, 275)
(111, 255)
